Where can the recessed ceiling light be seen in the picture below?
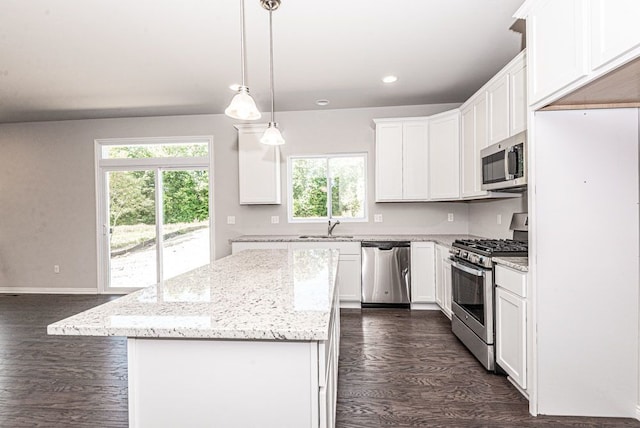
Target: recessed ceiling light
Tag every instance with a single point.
(389, 79)
(234, 87)
(322, 102)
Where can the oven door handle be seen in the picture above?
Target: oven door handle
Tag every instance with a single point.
(467, 269)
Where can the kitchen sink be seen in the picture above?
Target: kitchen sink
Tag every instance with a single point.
(325, 237)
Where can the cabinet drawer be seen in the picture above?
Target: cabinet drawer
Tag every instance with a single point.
(512, 280)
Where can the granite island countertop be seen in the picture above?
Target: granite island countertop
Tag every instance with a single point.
(442, 239)
(254, 295)
(517, 263)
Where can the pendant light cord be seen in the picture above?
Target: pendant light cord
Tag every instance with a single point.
(271, 61)
(242, 48)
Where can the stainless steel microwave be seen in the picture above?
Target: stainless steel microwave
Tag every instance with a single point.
(504, 164)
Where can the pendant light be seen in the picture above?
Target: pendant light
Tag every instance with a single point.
(271, 136)
(242, 105)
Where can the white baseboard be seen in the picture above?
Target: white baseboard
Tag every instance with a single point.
(350, 305)
(425, 306)
(47, 290)
(638, 412)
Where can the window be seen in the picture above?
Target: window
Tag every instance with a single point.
(312, 178)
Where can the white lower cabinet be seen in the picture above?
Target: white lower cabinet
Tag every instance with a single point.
(511, 324)
(423, 281)
(349, 264)
(443, 279)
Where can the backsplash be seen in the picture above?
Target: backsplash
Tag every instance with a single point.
(483, 216)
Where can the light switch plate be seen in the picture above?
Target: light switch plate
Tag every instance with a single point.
(377, 218)
(275, 219)
(231, 219)
(450, 217)
(499, 219)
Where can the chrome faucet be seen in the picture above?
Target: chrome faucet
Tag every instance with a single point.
(331, 227)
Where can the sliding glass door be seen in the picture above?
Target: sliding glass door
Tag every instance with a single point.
(154, 214)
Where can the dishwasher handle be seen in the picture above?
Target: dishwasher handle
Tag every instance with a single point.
(385, 245)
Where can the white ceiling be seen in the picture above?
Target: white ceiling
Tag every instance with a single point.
(74, 59)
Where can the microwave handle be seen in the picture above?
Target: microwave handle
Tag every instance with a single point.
(507, 174)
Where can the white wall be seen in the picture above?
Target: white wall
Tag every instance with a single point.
(47, 187)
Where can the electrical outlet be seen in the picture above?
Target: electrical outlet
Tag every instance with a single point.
(56, 268)
(275, 219)
(231, 219)
(377, 218)
(499, 218)
(450, 217)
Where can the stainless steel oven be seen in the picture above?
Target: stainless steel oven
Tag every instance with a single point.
(472, 305)
(472, 287)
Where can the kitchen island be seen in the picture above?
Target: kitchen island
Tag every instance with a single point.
(250, 340)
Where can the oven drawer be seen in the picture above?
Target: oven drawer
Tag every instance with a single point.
(512, 280)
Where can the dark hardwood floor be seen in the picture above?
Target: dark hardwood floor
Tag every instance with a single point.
(397, 369)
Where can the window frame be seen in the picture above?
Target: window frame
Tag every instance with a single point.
(291, 219)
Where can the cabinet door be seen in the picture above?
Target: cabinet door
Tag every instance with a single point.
(389, 161)
(440, 250)
(518, 98)
(498, 97)
(258, 167)
(414, 172)
(557, 46)
(511, 347)
(614, 29)
(468, 152)
(444, 156)
(349, 267)
(446, 268)
(423, 280)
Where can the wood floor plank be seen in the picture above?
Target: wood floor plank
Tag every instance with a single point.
(397, 368)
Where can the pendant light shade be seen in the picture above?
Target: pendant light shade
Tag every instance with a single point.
(272, 135)
(242, 105)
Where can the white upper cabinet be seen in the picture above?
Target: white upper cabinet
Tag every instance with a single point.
(573, 42)
(517, 95)
(495, 112)
(614, 29)
(444, 155)
(401, 160)
(414, 173)
(258, 167)
(498, 97)
(389, 159)
(473, 139)
(556, 43)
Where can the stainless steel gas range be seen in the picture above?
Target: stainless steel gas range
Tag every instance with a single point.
(473, 288)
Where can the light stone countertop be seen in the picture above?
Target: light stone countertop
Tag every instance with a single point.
(517, 263)
(442, 239)
(254, 295)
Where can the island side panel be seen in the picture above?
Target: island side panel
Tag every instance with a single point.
(191, 383)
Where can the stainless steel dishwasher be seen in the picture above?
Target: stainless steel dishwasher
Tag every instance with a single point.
(385, 273)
